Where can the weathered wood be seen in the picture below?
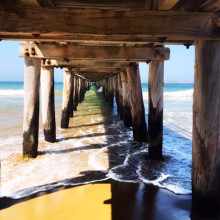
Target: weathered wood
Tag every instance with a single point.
(31, 107)
(211, 5)
(113, 4)
(199, 5)
(48, 107)
(24, 21)
(155, 109)
(164, 4)
(67, 96)
(137, 104)
(75, 94)
(79, 89)
(112, 53)
(106, 89)
(110, 92)
(120, 97)
(206, 130)
(116, 91)
(86, 63)
(126, 100)
(72, 97)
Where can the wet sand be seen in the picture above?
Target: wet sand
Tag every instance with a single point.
(113, 200)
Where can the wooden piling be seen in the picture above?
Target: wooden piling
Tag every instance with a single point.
(67, 96)
(31, 107)
(206, 130)
(137, 105)
(48, 107)
(116, 92)
(72, 97)
(155, 109)
(75, 94)
(79, 89)
(120, 98)
(110, 92)
(126, 100)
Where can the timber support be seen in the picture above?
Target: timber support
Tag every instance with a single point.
(126, 100)
(31, 107)
(206, 130)
(155, 109)
(48, 107)
(67, 96)
(137, 104)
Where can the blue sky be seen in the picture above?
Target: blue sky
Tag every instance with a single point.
(180, 67)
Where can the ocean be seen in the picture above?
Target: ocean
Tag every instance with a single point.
(81, 153)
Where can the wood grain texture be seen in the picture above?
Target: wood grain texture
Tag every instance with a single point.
(48, 103)
(67, 96)
(155, 109)
(206, 130)
(31, 107)
(75, 22)
(102, 53)
(126, 100)
(86, 63)
(137, 104)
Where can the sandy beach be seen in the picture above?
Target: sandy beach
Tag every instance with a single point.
(70, 180)
(100, 201)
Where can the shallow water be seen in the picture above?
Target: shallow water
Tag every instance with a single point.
(96, 147)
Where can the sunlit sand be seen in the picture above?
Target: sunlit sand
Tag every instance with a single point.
(82, 202)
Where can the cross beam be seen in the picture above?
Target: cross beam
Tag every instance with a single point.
(78, 23)
(111, 53)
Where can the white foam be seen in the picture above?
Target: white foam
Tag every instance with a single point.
(12, 93)
(178, 95)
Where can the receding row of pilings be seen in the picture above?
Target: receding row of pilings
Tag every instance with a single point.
(206, 119)
(127, 89)
(126, 86)
(74, 89)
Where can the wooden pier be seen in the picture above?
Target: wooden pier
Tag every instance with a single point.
(102, 42)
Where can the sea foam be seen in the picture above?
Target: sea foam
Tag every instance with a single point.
(177, 95)
(12, 93)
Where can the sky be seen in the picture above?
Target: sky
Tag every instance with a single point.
(180, 67)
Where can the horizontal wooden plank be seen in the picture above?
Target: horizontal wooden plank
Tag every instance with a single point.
(105, 4)
(95, 70)
(164, 4)
(198, 5)
(114, 53)
(106, 23)
(85, 63)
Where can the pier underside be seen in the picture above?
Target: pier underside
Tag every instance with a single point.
(102, 42)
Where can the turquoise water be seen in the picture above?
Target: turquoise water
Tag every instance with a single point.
(168, 87)
(171, 87)
(173, 174)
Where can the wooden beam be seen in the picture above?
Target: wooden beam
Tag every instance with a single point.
(164, 4)
(198, 5)
(24, 21)
(85, 63)
(211, 5)
(97, 70)
(46, 3)
(113, 53)
(104, 4)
